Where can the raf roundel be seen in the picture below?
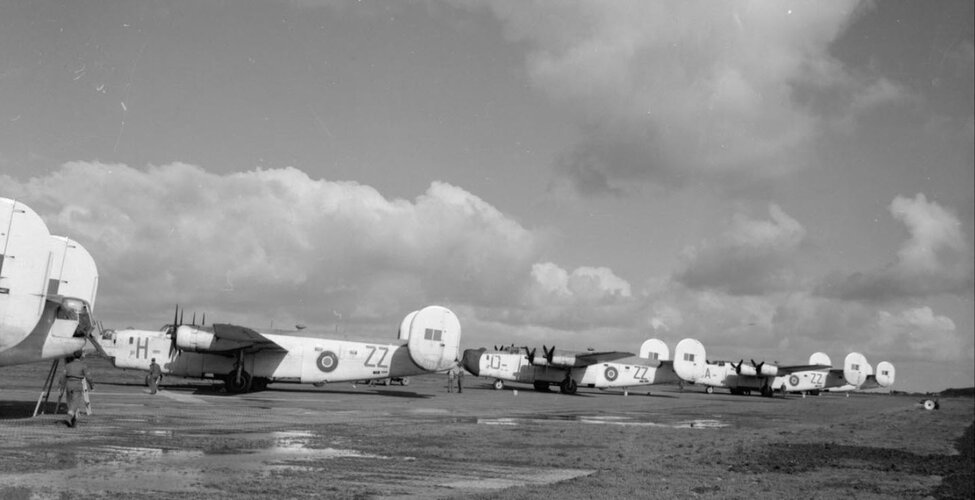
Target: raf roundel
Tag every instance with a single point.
(611, 373)
(327, 361)
(794, 380)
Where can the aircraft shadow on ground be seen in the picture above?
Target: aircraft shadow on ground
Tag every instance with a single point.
(15, 410)
(217, 390)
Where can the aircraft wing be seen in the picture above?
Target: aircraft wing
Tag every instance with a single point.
(591, 358)
(246, 336)
(785, 370)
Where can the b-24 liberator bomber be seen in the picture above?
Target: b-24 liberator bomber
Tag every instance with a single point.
(691, 365)
(856, 374)
(246, 359)
(570, 370)
(47, 290)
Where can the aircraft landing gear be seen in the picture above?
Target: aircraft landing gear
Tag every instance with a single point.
(238, 380)
(709, 390)
(767, 391)
(541, 386)
(568, 386)
(237, 384)
(498, 384)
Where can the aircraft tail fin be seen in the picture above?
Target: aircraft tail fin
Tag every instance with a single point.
(820, 358)
(404, 327)
(885, 374)
(434, 337)
(856, 369)
(690, 359)
(655, 349)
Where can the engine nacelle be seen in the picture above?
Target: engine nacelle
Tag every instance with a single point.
(562, 359)
(434, 337)
(201, 339)
(762, 370)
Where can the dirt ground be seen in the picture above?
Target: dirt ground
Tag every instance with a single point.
(418, 441)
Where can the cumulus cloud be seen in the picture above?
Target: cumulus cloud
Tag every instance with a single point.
(267, 238)
(671, 89)
(751, 257)
(935, 259)
(919, 334)
(584, 298)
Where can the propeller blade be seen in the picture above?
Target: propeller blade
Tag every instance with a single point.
(549, 353)
(193, 322)
(204, 322)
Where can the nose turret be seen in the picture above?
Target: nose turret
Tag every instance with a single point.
(472, 360)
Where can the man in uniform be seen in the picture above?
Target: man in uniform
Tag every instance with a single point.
(459, 376)
(75, 375)
(155, 373)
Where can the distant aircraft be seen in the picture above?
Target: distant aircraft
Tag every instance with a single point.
(856, 374)
(691, 365)
(883, 378)
(571, 369)
(47, 290)
(245, 359)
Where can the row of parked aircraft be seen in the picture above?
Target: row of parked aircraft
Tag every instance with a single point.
(570, 370)
(47, 294)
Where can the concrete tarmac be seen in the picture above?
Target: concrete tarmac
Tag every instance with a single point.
(418, 441)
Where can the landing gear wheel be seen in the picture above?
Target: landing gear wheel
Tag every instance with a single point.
(709, 390)
(541, 386)
(404, 381)
(568, 386)
(766, 391)
(236, 386)
(498, 384)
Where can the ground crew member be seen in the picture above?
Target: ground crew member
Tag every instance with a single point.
(75, 375)
(460, 378)
(450, 380)
(155, 373)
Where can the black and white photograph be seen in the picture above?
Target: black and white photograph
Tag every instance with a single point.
(377, 249)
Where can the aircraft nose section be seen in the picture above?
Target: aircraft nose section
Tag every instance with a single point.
(472, 360)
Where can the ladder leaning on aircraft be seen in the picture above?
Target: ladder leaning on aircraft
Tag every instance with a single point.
(245, 359)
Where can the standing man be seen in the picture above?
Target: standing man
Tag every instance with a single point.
(460, 377)
(155, 373)
(450, 379)
(75, 375)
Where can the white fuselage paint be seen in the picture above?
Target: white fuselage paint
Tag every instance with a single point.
(621, 373)
(300, 359)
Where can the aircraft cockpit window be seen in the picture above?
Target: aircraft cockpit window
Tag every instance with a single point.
(654, 355)
(688, 356)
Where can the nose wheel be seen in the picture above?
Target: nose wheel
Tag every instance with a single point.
(498, 384)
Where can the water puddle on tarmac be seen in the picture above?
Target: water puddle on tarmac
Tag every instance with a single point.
(604, 420)
(213, 472)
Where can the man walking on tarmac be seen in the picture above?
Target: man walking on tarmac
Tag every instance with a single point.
(73, 381)
(155, 373)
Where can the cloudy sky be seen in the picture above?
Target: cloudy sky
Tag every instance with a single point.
(773, 178)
